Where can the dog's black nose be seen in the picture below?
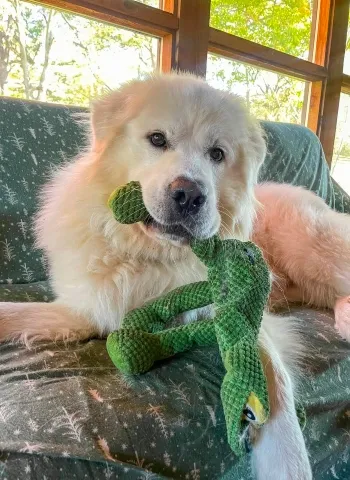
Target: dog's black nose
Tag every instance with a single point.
(187, 195)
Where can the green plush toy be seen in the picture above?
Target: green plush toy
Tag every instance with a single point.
(238, 285)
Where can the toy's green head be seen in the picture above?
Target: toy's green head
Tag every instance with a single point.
(127, 205)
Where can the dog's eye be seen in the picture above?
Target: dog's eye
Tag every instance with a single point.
(158, 139)
(217, 155)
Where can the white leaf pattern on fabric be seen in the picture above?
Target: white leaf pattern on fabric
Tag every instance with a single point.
(72, 423)
(18, 142)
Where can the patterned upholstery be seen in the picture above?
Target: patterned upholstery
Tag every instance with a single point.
(34, 140)
(295, 156)
(65, 412)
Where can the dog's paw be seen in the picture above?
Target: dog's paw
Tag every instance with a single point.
(342, 317)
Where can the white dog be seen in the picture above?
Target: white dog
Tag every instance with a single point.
(197, 154)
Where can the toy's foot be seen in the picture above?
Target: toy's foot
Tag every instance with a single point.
(133, 351)
(342, 317)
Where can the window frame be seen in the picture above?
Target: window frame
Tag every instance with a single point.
(186, 38)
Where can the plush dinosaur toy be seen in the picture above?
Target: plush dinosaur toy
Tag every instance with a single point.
(238, 285)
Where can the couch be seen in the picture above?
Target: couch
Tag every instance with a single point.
(66, 413)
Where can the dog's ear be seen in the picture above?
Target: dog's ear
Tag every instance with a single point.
(111, 113)
(108, 114)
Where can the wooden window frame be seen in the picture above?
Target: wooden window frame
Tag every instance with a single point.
(183, 27)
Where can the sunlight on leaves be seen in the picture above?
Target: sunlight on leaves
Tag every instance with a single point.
(56, 56)
(281, 24)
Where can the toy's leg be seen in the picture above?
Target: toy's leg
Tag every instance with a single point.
(135, 351)
(154, 316)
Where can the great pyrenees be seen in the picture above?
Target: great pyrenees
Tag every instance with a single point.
(196, 152)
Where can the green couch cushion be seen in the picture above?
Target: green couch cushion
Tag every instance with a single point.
(34, 140)
(295, 156)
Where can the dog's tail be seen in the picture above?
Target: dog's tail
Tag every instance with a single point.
(28, 322)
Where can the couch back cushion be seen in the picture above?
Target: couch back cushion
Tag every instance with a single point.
(35, 138)
(295, 156)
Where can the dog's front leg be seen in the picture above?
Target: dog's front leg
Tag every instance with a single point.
(279, 451)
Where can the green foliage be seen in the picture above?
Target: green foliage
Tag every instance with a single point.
(268, 95)
(33, 64)
(345, 151)
(283, 25)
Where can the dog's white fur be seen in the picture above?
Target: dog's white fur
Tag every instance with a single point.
(100, 269)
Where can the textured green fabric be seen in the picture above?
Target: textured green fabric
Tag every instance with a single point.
(127, 204)
(239, 281)
(238, 285)
(142, 339)
(67, 413)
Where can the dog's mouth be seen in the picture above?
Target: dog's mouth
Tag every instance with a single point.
(174, 232)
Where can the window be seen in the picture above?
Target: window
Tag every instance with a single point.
(60, 57)
(282, 56)
(152, 3)
(347, 52)
(268, 95)
(284, 25)
(341, 156)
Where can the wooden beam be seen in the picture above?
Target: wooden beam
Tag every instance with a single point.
(346, 84)
(169, 6)
(313, 102)
(167, 45)
(230, 46)
(318, 49)
(321, 21)
(336, 44)
(125, 13)
(192, 36)
(167, 53)
(314, 25)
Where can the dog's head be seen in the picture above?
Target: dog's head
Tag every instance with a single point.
(194, 149)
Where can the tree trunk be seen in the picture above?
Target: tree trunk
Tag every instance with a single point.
(4, 60)
(23, 47)
(41, 94)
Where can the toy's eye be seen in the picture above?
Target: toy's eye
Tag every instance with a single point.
(250, 255)
(216, 154)
(158, 139)
(249, 414)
